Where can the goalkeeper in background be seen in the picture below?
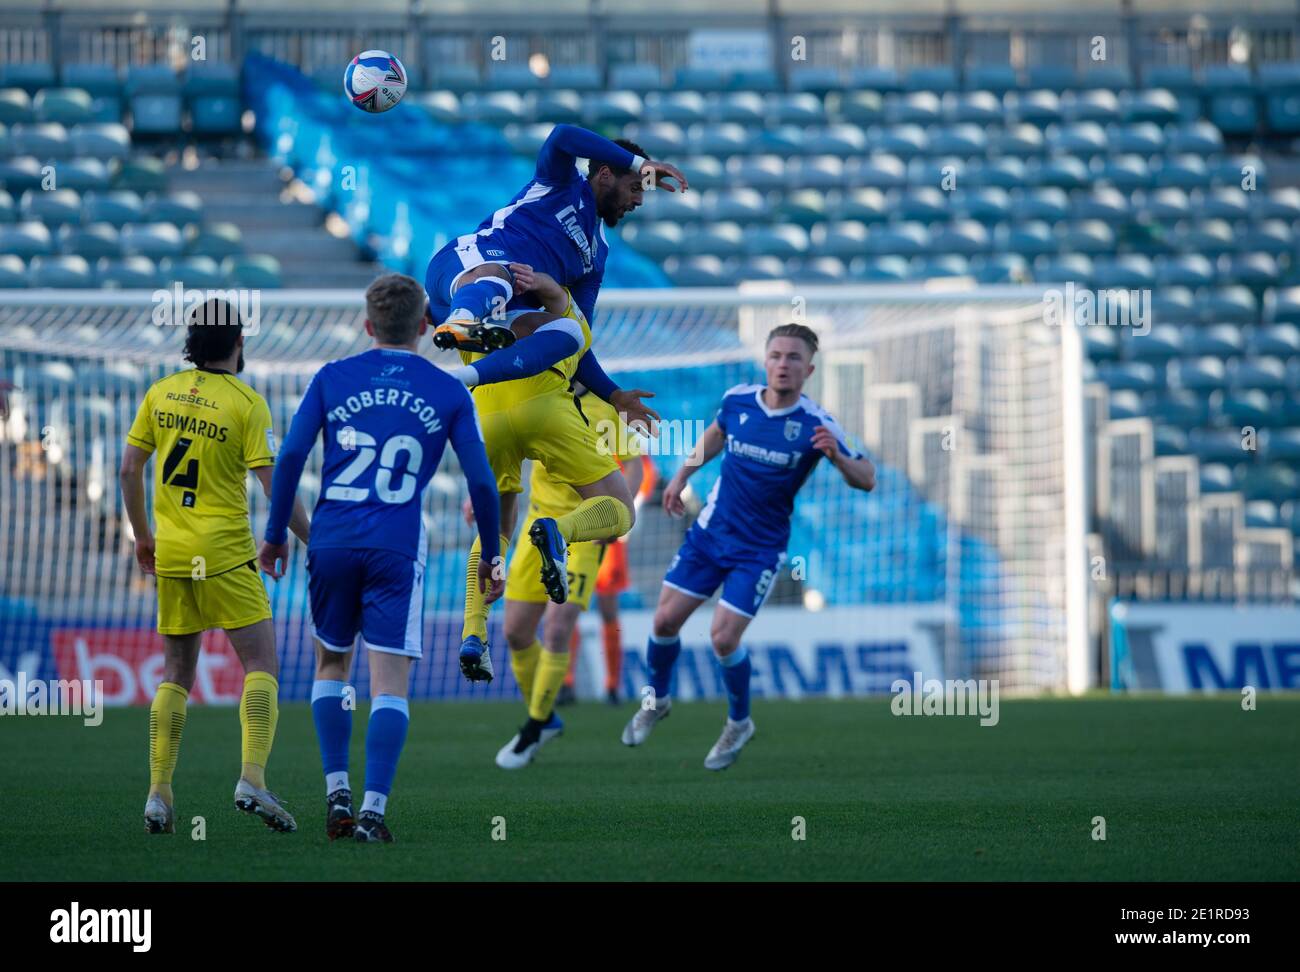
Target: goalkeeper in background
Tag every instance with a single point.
(209, 429)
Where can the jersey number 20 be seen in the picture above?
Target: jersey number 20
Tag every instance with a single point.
(366, 449)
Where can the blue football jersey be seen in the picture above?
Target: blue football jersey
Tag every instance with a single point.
(767, 455)
(551, 223)
(387, 415)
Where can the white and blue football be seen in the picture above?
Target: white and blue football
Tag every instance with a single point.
(375, 81)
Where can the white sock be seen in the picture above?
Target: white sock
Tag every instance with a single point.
(336, 781)
(374, 803)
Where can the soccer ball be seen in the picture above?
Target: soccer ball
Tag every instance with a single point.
(375, 81)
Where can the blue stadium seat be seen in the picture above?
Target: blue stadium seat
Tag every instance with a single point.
(707, 79)
(1234, 113)
(841, 140)
(1222, 78)
(902, 238)
(868, 205)
(1132, 271)
(1006, 172)
(636, 77)
(181, 208)
(844, 238)
(129, 273)
(904, 141)
(882, 269)
(913, 108)
(1216, 445)
(1100, 344)
(1051, 77)
(1179, 407)
(142, 173)
(1283, 445)
(1031, 238)
(1066, 268)
(1217, 341)
(13, 272)
(116, 207)
(1167, 204)
(1139, 138)
(8, 212)
(26, 240)
(988, 204)
(1247, 407)
(15, 107)
(217, 240)
(939, 266)
(821, 270)
(1283, 306)
(212, 94)
(805, 207)
(444, 106)
(253, 271)
(1137, 376)
(679, 107)
(60, 272)
(783, 240)
(616, 108)
(1198, 138)
(83, 174)
(756, 79)
(1001, 268)
(1266, 374)
(526, 139)
(1223, 202)
(1231, 171)
(102, 83)
(796, 109)
(926, 204)
(998, 78)
(656, 240)
(878, 170)
(66, 106)
(1170, 441)
(880, 79)
(1182, 171)
(975, 107)
(1185, 269)
(1124, 404)
(30, 76)
(940, 78)
(153, 240)
(856, 107)
(1038, 107)
(762, 268)
(1046, 203)
(697, 271)
(1175, 77)
(723, 141)
(1090, 236)
(101, 140)
(740, 107)
(54, 208)
(1261, 514)
(153, 94)
(576, 77)
(1282, 105)
(715, 239)
(817, 80)
(1229, 304)
(662, 140)
(1276, 483)
(1205, 373)
(1250, 269)
(47, 141)
(94, 241)
(1162, 343)
(557, 107)
(1092, 106)
(1280, 204)
(758, 172)
(739, 205)
(707, 172)
(19, 175)
(506, 76)
(1064, 171)
(1102, 202)
(958, 139)
(936, 171)
(1105, 76)
(963, 236)
(1216, 478)
(1150, 105)
(1281, 340)
(1213, 237)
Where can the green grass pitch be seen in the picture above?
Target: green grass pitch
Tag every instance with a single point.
(1191, 790)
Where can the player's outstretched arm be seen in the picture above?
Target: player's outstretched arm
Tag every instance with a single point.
(857, 471)
(568, 143)
(285, 506)
(710, 444)
(299, 524)
(131, 478)
(626, 401)
(485, 501)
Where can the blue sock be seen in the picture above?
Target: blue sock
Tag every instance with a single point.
(736, 670)
(526, 357)
(333, 724)
(385, 736)
(481, 297)
(661, 655)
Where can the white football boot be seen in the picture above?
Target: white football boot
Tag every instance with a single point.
(514, 756)
(638, 728)
(264, 804)
(726, 750)
(158, 817)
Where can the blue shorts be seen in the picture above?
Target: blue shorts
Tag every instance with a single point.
(379, 593)
(746, 577)
(454, 259)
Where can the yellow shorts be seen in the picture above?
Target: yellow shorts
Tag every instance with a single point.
(551, 429)
(235, 598)
(524, 575)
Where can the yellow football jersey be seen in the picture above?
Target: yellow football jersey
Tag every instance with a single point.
(501, 395)
(546, 496)
(208, 429)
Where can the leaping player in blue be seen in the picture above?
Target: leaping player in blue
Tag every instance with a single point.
(387, 414)
(773, 436)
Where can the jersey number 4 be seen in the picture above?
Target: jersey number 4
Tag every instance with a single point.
(366, 449)
(187, 479)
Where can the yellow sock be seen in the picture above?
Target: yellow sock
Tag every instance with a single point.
(597, 518)
(166, 723)
(551, 669)
(259, 711)
(476, 611)
(524, 665)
